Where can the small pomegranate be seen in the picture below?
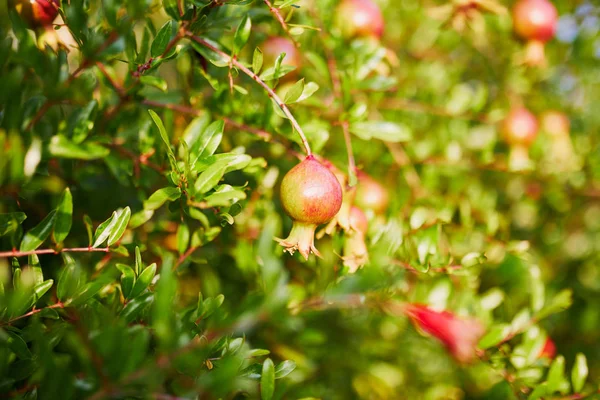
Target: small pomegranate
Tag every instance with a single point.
(520, 128)
(535, 21)
(370, 194)
(355, 248)
(555, 123)
(459, 335)
(342, 218)
(549, 349)
(311, 195)
(360, 18)
(37, 13)
(274, 46)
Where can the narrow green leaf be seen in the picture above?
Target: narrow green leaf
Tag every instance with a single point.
(127, 279)
(143, 280)
(36, 236)
(140, 218)
(64, 216)
(556, 375)
(18, 346)
(158, 198)
(309, 89)
(183, 238)
(162, 39)
(208, 142)
(165, 138)
(267, 380)
(294, 92)
(60, 146)
(284, 369)
(257, 60)
(10, 222)
(242, 34)
(579, 373)
(69, 281)
(209, 178)
(139, 264)
(154, 81)
(103, 230)
(120, 225)
(383, 130)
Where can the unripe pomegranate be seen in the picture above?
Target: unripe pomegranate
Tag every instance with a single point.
(355, 248)
(535, 21)
(311, 195)
(520, 127)
(555, 123)
(37, 13)
(274, 46)
(370, 194)
(359, 18)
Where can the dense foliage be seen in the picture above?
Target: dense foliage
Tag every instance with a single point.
(143, 145)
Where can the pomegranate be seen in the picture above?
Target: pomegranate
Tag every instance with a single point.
(359, 18)
(459, 335)
(311, 195)
(535, 21)
(37, 13)
(520, 127)
(370, 194)
(355, 248)
(555, 123)
(274, 46)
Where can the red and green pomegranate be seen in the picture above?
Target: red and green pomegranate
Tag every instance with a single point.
(535, 21)
(311, 195)
(274, 46)
(520, 128)
(37, 13)
(359, 18)
(370, 194)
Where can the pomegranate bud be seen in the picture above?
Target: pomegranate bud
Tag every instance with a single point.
(549, 349)
(355, 248)
(360, 18)
(520, 127)
(311, 195)
(459, 335)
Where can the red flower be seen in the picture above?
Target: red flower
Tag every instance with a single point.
(459, 335)
(549, 349)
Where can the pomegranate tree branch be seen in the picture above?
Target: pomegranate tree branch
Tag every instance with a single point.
(15, 253)
(266, 87)
(284, 25)
(32, 312)
(348, 140)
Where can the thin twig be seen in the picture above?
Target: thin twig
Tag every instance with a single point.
(116, 86)
(255, 77)
(284, 25)
(33, 312)
(348, 141)
(15, 253)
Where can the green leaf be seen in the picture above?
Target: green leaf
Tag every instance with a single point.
(257, 60)
(242, 34)
(284, 369)
(560, 302)
(69, 281)
(494, 336)
(579, 373)
(224, 195)
(209, 178)
(207, 143)
(127, 279)
(162, 39)
(158, 198)
(267, 380)
(309, 89)
(165, 138)
(154, 81)
(64, 216)
(140, 218)
(139, 264)
(144, 280)
(183, 238)
(82, 122)
(208, 306)
(11, 221)
(60, 146)
(383, 130)
(89, 226)
(163, 318)
(36, 236)
(41, 288)
(556, 374)
(294, 93)
(18, 346)
(121, 222)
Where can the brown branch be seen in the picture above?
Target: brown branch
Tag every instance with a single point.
(137, 159)
(184, 257)
(15, 253)
(270, 92)
(33, 312)
(116, 86)
(284, 25)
